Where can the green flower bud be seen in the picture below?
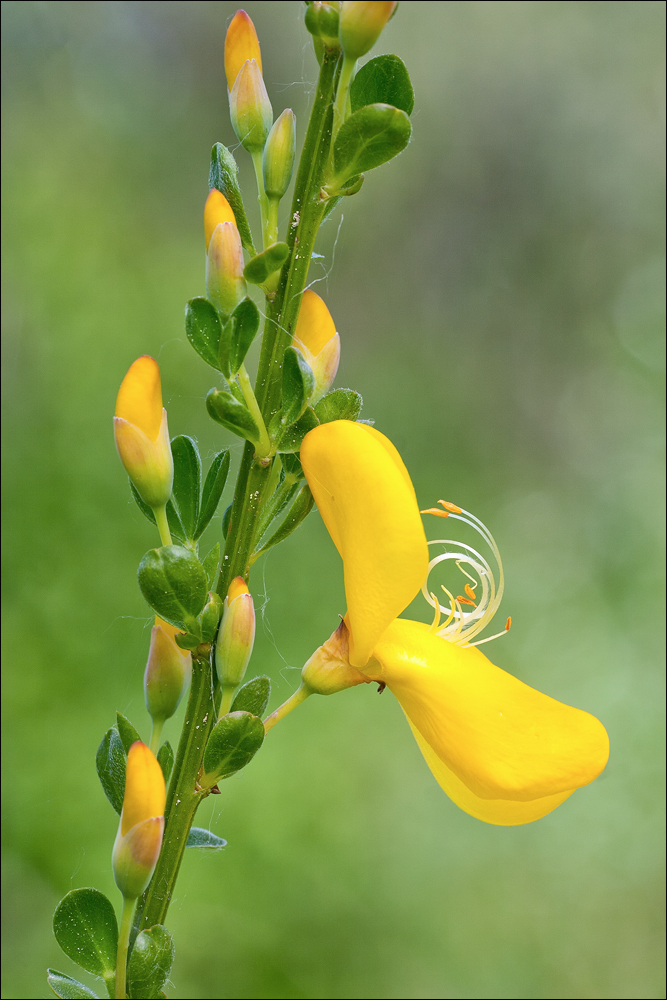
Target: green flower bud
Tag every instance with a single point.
(361, 23)
(250, 108)
(235, 639)
(322, 22)
(168, 672)
(279, 155)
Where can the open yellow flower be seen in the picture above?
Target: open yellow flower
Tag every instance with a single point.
(502, 751)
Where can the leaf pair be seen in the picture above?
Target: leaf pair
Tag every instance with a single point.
(111, 759)
(222, 347)
(191, 509)
(86, 929)
(237, 737)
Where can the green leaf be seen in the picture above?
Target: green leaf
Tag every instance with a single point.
(298, 385)
(203, 328)
(165, 758)
(223, 408)
(264, 264)
(86, 929)
(253, 697)
(150, 963)
(238, 335)
(210, 617)
(68, 988)
(111, 762)
(211, 563)
(370, 137)
(213, 487)
(204, 838)
(383, 80)
(298, 512)
(224, 176)
(174, 584)
(127, 732)
(233, 743)
(294, 435)
(175, 526)
(226, 518)
(187, 482)
(292, 466)
(188, 640)
(341, 404)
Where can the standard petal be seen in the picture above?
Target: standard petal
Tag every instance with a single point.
(364, 494)
(139, 399)
(145, 792)
(498, 737)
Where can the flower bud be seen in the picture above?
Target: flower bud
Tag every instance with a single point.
(316, 338)
(141, 826)
(216, 210)
(279, 155)
(361, 23)
(241, 44)
(250, 108)
(168, 672)
(328, 671)
(141, 432)
(210, 617)
(225, 284)
(236, 635)
(322, 22)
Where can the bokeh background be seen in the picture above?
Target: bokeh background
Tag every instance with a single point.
(498, 290)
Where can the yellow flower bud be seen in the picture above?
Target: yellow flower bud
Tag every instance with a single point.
(250, 108)
(141, 432)
(279, 154)
(241, 44)
(141, 826)
(315, 336)
(236, 637)
(168, 672)
(216, 210)
(225, 284)
(361, 23)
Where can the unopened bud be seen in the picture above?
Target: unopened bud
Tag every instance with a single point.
(141, 826)
(250, 108)
(210, 617)
(216, 210)
(322, 23)
(225, 284)
(168, 672)
(141, 432)
(236, 636)
(241, 44)
(316, 338)
(279, 155)
(328, 671)
(361, 23)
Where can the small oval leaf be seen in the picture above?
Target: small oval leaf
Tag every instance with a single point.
(111, 762)
(294, 435)
(240, 331)
(187, 482)
(224, 409)
(126, 731)
(253, 697)
(203, 329)
(233, 743)
(174, 584)
(341, 404)
(68, 988)
(150, 963)
(204, 838)
(370, 137)
(298, 512)
(298, 385)
(86, 929)
(264, 264)
(165, 758)
(383, 80)
(223, 175)
(213, 487)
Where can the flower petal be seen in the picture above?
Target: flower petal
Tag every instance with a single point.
(145, 793)
(139, 399)
(364, 494)
(498, 737)
(315, 326)
(241, 43)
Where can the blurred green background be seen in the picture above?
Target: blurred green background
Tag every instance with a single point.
(498, 290)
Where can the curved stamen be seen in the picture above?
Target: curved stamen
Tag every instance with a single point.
(461, 625)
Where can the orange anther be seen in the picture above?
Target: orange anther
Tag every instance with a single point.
(450, 506)
(434, 510)
(508, 625)
(464, 600)
(469, 591)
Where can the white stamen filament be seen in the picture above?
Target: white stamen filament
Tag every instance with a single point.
(462, 626)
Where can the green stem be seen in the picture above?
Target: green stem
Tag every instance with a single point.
(162, 524)
(340, 107)
(156, 733)
(272, 224)
(123, 942)
(227, 698)
(297, 698)
(261, 197)
(264, 448)
(183, 797)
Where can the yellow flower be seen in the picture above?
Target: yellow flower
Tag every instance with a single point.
(502, 751)
(216, 210)
(241, 44)
(316, 338)
(361, 23)
(141, 826)
(141, 432)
